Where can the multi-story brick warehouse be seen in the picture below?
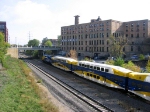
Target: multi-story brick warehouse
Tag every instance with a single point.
(92, 38)
(4, 30)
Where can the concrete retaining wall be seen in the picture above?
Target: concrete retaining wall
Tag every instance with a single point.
(13, 52)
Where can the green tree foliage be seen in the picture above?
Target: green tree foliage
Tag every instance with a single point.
(35, 54)
(59, 40)
(119, 61)
(3, 47)
(141, 57)
(148, 66)
(48, 43)
(131, 66)
(33, 43)
(44, 40)
(116, 45)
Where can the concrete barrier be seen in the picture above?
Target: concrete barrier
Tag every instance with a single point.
(13, 52)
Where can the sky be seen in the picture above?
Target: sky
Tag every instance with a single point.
(37, 19)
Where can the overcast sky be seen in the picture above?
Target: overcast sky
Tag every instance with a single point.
(44, 18)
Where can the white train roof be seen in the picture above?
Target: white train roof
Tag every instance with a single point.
(106, 65)
(64, 58)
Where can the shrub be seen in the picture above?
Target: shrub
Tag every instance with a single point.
(119, 62)
(141, 57)
(110, 62)
(131, 66)
(148, 66)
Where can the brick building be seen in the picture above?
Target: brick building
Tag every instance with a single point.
(4, 30)
(91, 39)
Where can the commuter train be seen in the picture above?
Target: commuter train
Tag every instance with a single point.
(108, 75)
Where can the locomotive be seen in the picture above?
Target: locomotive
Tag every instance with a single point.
(108, 75)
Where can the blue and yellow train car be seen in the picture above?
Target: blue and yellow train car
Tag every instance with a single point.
(139, 84)
(63, 62)
(111, 76)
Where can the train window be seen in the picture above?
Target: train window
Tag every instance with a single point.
(106, 70)
(83, 65)
(91, 75)
(94, 76)
(98, 77)
(98, 68)
(91, 67)
(79, 64)
(95, 68)
(102, 69)
(87, 66)
(87, 74)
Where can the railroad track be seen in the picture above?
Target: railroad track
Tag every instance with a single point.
(97, 106)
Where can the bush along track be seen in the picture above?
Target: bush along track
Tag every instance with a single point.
(19, 91)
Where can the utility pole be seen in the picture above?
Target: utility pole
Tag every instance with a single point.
(29, 35)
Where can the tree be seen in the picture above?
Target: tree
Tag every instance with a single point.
(59, 40)
(116, 45)
(48, 43)
(3, 47)
(33, 43)
(44, 40)
(72, 54)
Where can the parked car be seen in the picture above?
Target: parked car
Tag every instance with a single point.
(134, 57)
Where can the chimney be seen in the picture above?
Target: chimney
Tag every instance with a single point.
(76, 19)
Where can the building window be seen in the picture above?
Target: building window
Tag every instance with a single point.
(143, 34)
(123, 48)
(137, 35)
(102, 49)
(107, 49)
(107, 35)
(139, 48)
(131, 35)
(102, 42)
(100, 35)
(107, 42)
(131, 48)
(126, 35)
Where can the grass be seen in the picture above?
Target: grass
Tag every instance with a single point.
(19, 92)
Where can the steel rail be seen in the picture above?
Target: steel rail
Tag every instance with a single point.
(91, 102)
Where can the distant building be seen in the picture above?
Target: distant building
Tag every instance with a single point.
(91, 39)
(4, 30)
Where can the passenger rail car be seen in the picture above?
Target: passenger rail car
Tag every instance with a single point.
(109, 75)
(63, 63)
